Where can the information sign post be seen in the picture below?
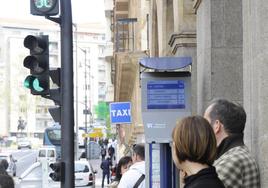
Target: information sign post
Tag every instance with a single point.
(166, 98)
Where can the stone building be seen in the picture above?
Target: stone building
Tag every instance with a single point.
(228, 43)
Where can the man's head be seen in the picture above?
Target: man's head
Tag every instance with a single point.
(226, 118)
(138, 153)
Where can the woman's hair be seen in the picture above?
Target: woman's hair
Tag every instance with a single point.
(123, 161)
(194, 140)
(6, 181)
(4, 163)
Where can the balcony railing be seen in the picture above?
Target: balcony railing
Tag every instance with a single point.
(125, 34)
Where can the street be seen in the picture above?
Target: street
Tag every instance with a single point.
(26, 157)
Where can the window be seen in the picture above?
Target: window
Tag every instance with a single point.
(23, 109)
(87, 87)
(42, 153)
(45, 110)
(101, 50)
(81, 168)
(54, 135)
(50, 153)
(39, 110)
(53, 47)
(53, 61)
(102, 74)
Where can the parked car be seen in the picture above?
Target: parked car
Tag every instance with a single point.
(48, 152)
(11, 170)
(84, 173)
(24, 143)
(32, 177)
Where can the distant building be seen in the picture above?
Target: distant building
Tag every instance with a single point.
(89, 42)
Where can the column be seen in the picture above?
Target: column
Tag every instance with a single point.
(219, 51)
(255, 69)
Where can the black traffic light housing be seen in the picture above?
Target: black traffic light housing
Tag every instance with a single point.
(44, 7)
(58, 170)
(40, 73)
(38, 63)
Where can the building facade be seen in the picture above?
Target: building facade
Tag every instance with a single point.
(227, 41)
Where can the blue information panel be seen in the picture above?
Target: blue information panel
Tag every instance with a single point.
(166, 94)
(120, 112)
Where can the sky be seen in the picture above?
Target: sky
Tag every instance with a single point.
(84, 11)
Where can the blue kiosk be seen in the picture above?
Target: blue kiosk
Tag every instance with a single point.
(166, 98)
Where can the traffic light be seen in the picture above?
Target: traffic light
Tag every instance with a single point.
(44, 7)
(38, 63)
(57, 168)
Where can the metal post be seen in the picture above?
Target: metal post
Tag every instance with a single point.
(147, 20)
(86, 110)
(76, 92)
(67, 109)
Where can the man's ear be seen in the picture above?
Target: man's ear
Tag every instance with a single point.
(217, 126)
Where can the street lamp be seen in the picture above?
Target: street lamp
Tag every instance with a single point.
(76, 91)
(85, 111)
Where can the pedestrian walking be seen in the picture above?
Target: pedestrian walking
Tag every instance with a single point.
(194, 151)
(111, 151)
(105, 166)
(122, 167)
(6, 181)
(134, 177)
(234, 163)
(103, 153)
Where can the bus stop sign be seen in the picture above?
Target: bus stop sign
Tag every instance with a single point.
(120, 112)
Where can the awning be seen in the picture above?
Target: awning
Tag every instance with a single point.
(166, 63)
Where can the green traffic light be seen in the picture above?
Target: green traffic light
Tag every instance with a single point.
(36, 85)
(32, 82)
(43, 3)
(28, 82)
(49, 7)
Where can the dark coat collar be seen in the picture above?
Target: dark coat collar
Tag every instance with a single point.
(230, 142)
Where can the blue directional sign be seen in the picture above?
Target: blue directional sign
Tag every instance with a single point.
(120, 112)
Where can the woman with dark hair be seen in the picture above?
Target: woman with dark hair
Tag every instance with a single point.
(194, 151)
(122, 166)
(3, 167)
(6, 181)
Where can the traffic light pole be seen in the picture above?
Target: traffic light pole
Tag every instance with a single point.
(39, 85)
(67, 109)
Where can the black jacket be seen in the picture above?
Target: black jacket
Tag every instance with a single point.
(206, 178)
(105, 166)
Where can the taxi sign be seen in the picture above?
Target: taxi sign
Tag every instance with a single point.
(120, 112)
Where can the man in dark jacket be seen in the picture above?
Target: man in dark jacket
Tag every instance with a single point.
(103, 153)
(111, 152)
(105, 166)
(235, 165)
